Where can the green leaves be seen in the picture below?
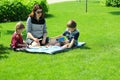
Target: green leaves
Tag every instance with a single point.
(15, 10)
(114, 3)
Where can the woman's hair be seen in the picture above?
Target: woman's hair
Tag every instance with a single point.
(71, 24)
(19, 26)
(35, 8)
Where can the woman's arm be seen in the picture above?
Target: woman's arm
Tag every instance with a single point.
(29, 35)
(44, 33)
(29, 29)
(28, 25)
(44, 36)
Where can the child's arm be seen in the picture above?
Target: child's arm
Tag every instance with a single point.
(71, 43)
(73, 40)
(68, 45)
(59, 36)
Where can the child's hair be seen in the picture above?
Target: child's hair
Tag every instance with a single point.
(19, 26)
(71, 24)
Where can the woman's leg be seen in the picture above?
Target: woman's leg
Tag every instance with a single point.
(35, 44)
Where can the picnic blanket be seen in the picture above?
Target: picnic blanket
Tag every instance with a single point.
(50, 49)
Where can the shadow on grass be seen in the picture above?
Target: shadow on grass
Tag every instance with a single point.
(3, 51)
(49, 16)
(95, 1)
(67, 50)
(0, 30)
(84, 47)
(10, 32)
(115, 12)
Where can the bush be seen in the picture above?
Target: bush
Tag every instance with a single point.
(43, 3)
(14, 10)
(113, 3)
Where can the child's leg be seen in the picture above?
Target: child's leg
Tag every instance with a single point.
(65, 46)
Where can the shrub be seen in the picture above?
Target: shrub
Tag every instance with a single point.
(14, 10)
(113, 3)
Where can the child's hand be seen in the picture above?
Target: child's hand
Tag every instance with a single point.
(46, 46)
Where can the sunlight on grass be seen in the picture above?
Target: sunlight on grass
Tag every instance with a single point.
(97, 60)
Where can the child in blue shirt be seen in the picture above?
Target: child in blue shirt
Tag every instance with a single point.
(72, 35)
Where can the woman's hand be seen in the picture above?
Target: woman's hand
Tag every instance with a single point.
(36, 40)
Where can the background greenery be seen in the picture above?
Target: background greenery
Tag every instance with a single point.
(99, 59)
(13, 10)
(113, 3)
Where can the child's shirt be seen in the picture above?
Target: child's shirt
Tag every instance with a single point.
(16, 39)
(71, 35)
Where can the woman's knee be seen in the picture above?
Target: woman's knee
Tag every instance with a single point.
(34, 44)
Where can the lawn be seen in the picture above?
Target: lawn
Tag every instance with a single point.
(99, 59)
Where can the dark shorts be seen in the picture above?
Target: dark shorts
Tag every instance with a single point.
(30, 41)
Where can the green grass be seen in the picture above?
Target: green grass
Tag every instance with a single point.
(99, 59)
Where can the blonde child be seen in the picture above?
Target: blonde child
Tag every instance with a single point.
(17, 40)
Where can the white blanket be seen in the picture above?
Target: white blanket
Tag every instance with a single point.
(50, 49)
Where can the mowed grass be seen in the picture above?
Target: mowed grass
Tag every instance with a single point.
(99, 59)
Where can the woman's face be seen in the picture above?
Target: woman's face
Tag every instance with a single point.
(38, 13)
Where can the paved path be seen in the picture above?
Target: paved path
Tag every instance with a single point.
(56, 1)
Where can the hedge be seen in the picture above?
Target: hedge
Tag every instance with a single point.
(15, 10)
(113, 3)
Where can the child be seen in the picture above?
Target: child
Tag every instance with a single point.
(72, 35)
(17, 40)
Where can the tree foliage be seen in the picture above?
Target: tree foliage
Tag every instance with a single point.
(14, 10)
(113, 3)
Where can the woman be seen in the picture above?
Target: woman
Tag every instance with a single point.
(36, 27)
